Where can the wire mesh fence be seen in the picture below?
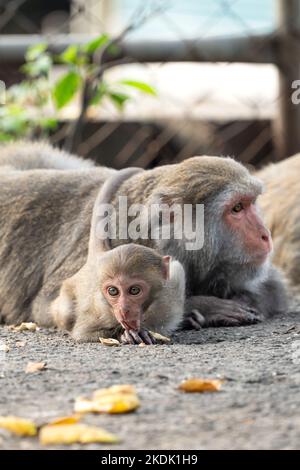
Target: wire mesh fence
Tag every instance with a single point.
(223, 72)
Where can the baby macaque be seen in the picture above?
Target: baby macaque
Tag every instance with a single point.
(123, 292)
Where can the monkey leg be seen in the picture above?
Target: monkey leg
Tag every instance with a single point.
(137, 337)
(203, 311)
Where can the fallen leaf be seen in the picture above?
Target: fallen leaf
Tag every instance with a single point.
(114, 400)
(201, 385)
(72, 419)
(19, 426)
(29, 326)
(35, 367)
(160, 337)
(72, 433)
(142, 345)
(20, 344)
(109, 342)
(4, 348)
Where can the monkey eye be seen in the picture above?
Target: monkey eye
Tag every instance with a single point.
(113, 291)
(237, 208)
(134, 290)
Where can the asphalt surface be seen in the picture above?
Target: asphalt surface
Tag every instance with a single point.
(258, 407)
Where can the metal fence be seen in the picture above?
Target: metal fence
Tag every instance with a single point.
(216, 95)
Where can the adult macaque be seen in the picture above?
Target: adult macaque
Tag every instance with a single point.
(280, 204)
(131, 286)
(45, 223)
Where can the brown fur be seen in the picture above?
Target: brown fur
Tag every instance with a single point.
(280, 205)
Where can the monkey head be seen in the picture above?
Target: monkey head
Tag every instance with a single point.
(131, 277)
(236, 241)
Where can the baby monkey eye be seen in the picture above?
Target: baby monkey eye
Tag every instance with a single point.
(134, 290)
(238, 208)
(113, 291)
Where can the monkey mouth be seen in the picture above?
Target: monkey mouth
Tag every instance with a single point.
(129, 324)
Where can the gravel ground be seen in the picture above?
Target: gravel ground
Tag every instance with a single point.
(258, 407)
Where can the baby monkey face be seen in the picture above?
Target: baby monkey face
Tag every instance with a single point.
(127, 296)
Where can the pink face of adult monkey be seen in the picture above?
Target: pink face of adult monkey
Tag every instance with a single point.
(242, 218)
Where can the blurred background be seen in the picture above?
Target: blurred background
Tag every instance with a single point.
(145, 82)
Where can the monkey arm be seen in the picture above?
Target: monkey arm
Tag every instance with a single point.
(247, 306)
(269, 299)
(202, 311)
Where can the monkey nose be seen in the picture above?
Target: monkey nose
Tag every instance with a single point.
(267, 240)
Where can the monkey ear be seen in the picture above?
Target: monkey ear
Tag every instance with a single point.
(166, 267)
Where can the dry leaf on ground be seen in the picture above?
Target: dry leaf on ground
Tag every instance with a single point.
(116, 399)
(20, 344)
(75, 433)
(26, 326)
(4, 348)
(19, 426)
(160, 337)
(35, 367)
(201, 385)
(109, 342)
(72, 419)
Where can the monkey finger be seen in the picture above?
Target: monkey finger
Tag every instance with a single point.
(195, 320)
(255, 313)
(126, 338)
(147, 337)
(136, 338)
(251, 315)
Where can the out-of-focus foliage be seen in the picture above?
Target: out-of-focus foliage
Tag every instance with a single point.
(33, 106)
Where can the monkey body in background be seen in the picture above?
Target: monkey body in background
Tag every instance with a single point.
(45, 223)
(280, 204)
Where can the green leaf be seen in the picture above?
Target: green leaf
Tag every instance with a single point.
(33, 52)
(114, 49)
(119, 99)
(5, 137)
(101, 91)
(40, 66)
(70, 55)
(65, 89)
(14, 121)
(48, 123)
(141, 86)
(95, 44)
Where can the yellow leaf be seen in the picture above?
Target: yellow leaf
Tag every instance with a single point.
(72, 433)
(29, 326)
(160, 337)
(116, 399)
(35, 367)
(109, 341)
(201, 385)
(19, 426)
(65, 420)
